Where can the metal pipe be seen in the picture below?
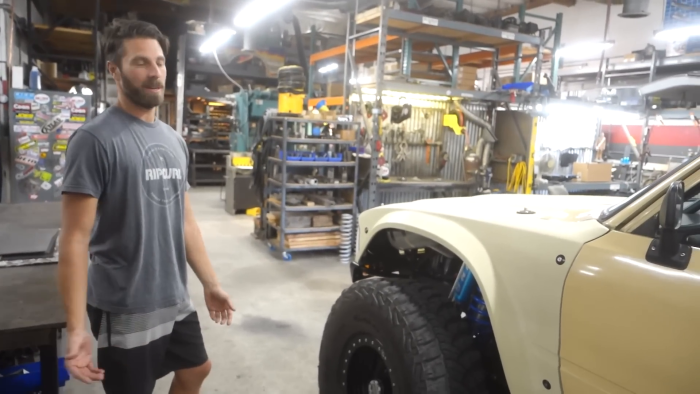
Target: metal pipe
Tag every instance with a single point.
(300, 46)
(605, 38)
(631, 141)
(472, 117)
(652, 71)
(546, 18)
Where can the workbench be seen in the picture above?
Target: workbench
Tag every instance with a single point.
(430, 184)
(32, 313)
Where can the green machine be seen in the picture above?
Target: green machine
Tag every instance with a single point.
(250, 108)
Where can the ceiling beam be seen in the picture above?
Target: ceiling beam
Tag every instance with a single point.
(530, 4)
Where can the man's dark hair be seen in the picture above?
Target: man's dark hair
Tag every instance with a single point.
(125, 29)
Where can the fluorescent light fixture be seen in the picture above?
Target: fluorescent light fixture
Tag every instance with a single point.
(584, 49)
(328, 68)
(678, 33)
(361, 80)
(256, 10)
(216, 40)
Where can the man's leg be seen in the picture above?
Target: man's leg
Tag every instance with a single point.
(130, 361)
(186, 355)
(189, 381)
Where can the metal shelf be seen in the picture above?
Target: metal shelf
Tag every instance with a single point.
(320, 186)
(314, 140)
(438, 28)
(313, 163)
(437, 90)
(315, 208)
(308, 120)
(307, 230)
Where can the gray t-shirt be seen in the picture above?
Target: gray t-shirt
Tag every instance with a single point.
(138, 172)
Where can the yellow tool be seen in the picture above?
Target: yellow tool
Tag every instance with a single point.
(515, 181)
(290, 103)
(452, 121)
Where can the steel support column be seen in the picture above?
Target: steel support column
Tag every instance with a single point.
(377, 110)
(538, 65)
(459, 6)
(519, 51)
(557, 42)
(312, 68)
(407, 47)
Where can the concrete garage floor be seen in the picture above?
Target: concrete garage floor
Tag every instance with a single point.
(272, 345)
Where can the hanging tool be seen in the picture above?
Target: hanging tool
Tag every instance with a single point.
(428, 143)
(515, 181)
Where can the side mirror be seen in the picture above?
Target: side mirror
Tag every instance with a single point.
(671, 212)
(667, 249)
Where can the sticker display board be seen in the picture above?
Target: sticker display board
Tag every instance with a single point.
(679, 13)
(41, 122)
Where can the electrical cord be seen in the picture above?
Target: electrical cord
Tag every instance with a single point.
(218, 63)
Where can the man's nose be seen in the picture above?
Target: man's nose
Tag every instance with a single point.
(154, 71)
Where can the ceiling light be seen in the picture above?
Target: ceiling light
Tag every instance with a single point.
(328, 68)
(216, 40)
(256, 10)
(584, 49)
(678, 33)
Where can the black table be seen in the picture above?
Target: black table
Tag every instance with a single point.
(32, 312)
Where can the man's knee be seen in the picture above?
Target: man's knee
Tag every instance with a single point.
(193, 376)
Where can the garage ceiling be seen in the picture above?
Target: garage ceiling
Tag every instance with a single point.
(329, 11)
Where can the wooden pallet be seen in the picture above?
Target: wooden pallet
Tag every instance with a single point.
(293, 241)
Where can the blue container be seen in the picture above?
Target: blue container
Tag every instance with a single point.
(308, 157)
(29, 382)
(338, 157)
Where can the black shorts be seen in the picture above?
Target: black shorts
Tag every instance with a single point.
(135, 350)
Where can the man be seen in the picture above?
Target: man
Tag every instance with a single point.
(125, 204)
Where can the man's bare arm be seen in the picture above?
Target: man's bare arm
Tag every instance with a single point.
(196, 252)
(218, 303)
(78, 218)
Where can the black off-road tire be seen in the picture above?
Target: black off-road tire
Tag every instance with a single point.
(425, 343)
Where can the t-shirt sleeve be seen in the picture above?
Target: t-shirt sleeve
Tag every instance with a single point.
(86, 165)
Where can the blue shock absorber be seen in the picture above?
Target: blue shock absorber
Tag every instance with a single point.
(478, 314)
(466, 292)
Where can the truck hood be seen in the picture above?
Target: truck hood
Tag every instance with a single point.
(517, 207)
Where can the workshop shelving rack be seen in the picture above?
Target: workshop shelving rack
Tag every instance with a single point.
(281, 164)
(385, 27)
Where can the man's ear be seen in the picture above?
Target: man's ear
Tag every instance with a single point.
(113, 69)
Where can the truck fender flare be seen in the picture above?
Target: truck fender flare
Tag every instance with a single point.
(457, 239)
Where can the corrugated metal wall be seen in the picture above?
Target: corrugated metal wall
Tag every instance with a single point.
(426, 123)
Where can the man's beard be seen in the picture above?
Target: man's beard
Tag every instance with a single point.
(139, 96)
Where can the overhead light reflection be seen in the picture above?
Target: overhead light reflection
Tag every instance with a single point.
(660, 270)
(587, 273)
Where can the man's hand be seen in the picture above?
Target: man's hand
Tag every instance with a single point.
(79, 358)
(219, 305)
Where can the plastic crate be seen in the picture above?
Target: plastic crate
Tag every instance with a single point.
(29, 382)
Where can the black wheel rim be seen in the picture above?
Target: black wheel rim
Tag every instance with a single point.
(364, 368)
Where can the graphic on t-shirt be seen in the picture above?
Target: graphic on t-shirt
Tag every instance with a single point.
(163, 177)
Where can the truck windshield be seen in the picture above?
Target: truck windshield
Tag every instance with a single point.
(611, 211)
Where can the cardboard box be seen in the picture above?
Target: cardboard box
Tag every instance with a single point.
(334, 89)
(593, 172)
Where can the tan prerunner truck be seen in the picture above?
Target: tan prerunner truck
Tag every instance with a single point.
(524, 294)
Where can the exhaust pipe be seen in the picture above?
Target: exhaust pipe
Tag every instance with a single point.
(634, 9)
